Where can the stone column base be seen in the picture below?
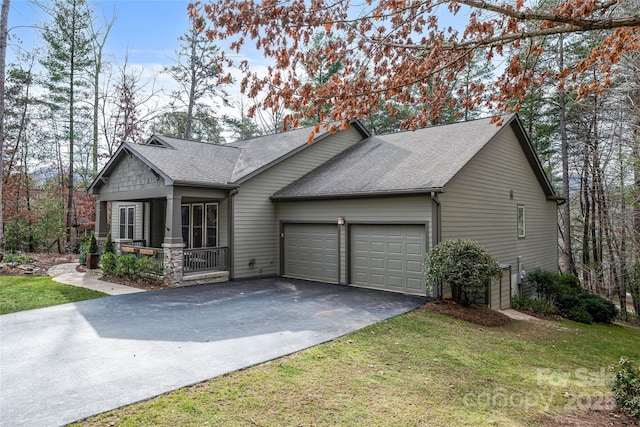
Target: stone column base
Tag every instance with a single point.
(173, 264)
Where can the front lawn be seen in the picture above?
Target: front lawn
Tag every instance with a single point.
(19, 293)
(417, 369)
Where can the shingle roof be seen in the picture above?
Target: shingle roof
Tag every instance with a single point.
(404, 162)
(411, 161)
(260, 152)
(191, 162)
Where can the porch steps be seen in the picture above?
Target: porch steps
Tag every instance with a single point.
(204, 278)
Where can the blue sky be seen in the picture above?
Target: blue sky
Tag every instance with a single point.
(149, 29)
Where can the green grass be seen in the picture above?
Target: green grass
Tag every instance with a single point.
(418, 369)
(19, 293)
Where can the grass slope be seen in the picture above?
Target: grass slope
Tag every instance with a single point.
(418, 369)
(19, 293)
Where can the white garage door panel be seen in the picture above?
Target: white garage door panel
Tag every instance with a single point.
(311, 252)
(388, 257)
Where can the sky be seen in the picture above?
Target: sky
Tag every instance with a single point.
(149, 29)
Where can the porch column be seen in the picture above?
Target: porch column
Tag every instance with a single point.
(173, 221)
(101, 228)
(173, 245)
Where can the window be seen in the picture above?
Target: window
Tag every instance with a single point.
(212, 225)
(127, 221)
(521, 222)
(186, 230)
(200, 225)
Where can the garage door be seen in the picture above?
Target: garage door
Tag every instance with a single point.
(388, 257)
(311, 252)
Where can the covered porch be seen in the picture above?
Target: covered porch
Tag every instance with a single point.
(185, 228)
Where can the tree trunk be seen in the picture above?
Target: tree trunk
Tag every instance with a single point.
(622, 250)
(567, 253)
(192, 91)
(70, 180)
(634, 283)
(585, 206)
(4, 18)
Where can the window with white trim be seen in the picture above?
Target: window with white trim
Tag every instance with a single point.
(127, 221)
(200, 225)
(521, 222)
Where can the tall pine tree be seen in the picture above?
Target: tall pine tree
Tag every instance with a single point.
(68, 64)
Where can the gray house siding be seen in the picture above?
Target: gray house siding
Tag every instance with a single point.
(131, 174)
(256, 229)
(387, 210)
(481, 204)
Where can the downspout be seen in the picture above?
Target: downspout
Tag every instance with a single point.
(230, 244)
(436, 230)
(435, 219)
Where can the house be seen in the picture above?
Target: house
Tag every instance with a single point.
(347, 208)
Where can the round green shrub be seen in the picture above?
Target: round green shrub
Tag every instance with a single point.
(543, 281)
(552, 286)
(578, 314)
(600, 309)
(464, 265)
(148, 266)
(108, 262)
(127, 265)
(569, 284)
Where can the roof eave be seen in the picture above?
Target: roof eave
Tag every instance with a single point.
(100, 178)
(201, 184)
(358, 195)
(124, 148)
(532, 157)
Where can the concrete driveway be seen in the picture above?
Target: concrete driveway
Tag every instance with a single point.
(68, 362)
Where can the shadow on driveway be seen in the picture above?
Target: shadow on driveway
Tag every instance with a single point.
(68, 362)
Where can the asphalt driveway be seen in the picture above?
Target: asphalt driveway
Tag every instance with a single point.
(65, 363)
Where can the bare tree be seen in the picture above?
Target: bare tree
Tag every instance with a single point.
(129, 104)
(98, 41)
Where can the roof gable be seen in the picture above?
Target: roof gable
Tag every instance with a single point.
(195, 163)
(262, 152)
(405, 162)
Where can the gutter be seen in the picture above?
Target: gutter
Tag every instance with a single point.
(205, 185)
(436, 227)
(558, 199)
(363, 195)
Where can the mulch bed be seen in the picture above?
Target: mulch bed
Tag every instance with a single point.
(477, 314)
(146, 284)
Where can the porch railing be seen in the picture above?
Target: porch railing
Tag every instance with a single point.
(205, 259)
